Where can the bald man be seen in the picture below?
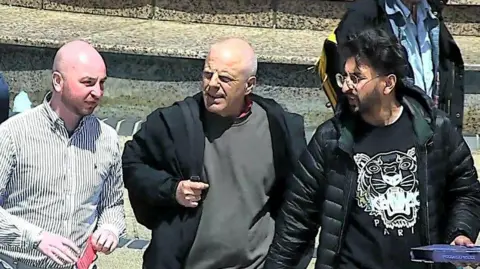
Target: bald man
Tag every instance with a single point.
(207, 174)
(60, 171)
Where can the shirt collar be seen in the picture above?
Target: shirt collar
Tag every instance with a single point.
(51, 115)
(247, 109)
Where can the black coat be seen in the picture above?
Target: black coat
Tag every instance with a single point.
(365, 13)
(169, 147)
(324, 183)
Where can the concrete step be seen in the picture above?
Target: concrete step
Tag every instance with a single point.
(461, 15)
(42, 28)
(153, 63)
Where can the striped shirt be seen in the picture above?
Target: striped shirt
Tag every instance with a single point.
(51, 181)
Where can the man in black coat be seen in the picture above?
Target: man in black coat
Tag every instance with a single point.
(435, 63)
(387, 173)
(207, 174)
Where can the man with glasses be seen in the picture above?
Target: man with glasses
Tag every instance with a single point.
(387, 173)
(434, 60)
(207, 174)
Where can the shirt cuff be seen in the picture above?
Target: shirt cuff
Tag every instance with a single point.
(32, 237)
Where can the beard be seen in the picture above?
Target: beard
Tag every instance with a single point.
(367, 103)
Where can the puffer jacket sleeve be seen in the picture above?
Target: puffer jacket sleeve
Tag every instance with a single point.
(297, 224)
(463, 188)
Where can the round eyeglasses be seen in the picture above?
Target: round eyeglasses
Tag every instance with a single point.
(354, 80)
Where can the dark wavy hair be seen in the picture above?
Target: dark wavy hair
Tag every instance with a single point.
(376, 48)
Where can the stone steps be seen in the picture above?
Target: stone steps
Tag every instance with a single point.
(40, 28)
(460, 15)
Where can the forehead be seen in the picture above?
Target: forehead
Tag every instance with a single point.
(224, 60)
(95, 69)
(352, 66)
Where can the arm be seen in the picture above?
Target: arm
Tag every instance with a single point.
(142, 156)
(111, 208)
(297, 223)
(14, 231)
(463, 188)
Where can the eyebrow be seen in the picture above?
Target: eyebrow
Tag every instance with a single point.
(357, 70)
(93, 78)
(220, 73)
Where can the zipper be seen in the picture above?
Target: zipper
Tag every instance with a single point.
(436, 93)
(427, 220)
(347, 208)
(427, 210)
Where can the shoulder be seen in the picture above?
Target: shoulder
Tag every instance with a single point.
(20, 123)
(106, 130)
(105, 136)
(442, 120)
(293, 120)
(174, 110)
(326, 133)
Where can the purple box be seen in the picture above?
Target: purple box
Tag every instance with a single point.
(445, 254)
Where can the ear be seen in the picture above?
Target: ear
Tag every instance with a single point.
(57, 81)
(390, 83)
(251, 82)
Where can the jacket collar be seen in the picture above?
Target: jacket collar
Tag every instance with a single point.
(415, 102)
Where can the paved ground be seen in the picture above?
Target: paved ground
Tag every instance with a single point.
(125, 258)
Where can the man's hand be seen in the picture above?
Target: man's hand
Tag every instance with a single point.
(104, 241)
(462, 240)
(190, 192)
(58, 248)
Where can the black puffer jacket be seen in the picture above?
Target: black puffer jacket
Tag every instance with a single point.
(322, 188)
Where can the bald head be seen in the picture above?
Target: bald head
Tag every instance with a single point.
(78, 77)
(76, 53)
(236, 50)
(229, 76)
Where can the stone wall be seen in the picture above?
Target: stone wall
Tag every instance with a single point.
(461, 16)
(139, 84)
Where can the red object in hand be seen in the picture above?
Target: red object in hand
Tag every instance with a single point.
(88, 256)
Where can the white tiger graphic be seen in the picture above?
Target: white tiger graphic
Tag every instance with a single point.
(388, 187)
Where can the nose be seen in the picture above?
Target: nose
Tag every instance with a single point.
(213, 82)
(345, 87)
(97, 91)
